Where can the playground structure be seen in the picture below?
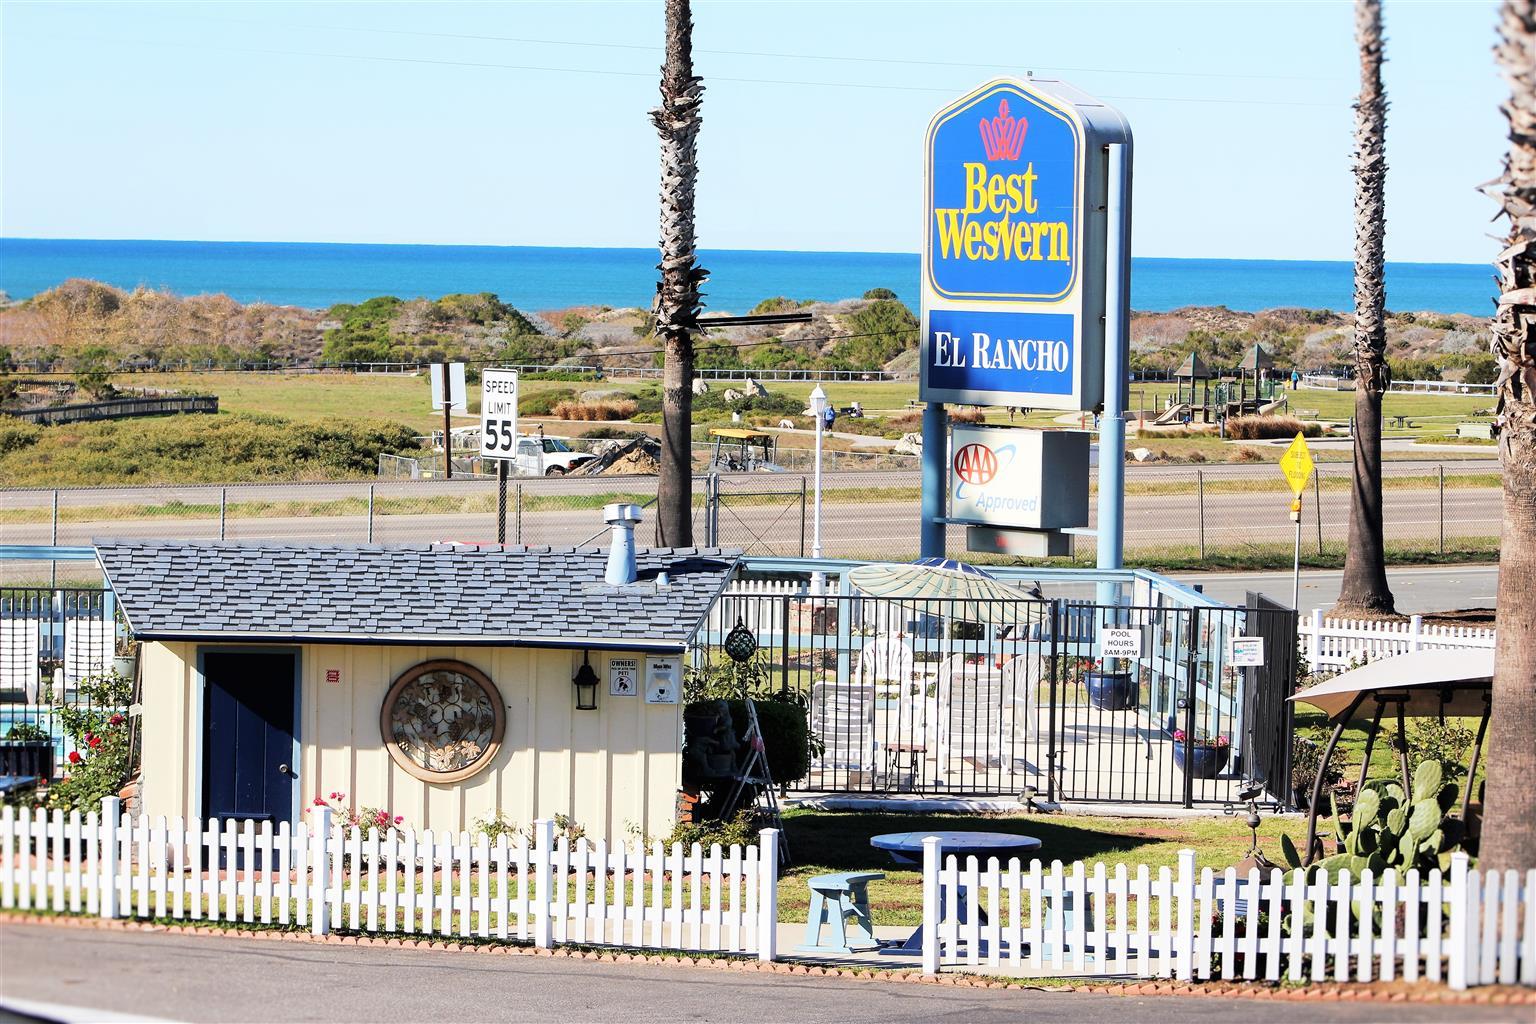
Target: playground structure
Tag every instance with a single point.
(1250, 391)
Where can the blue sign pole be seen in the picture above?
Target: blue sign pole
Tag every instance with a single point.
(1111, 527)
(931, 538)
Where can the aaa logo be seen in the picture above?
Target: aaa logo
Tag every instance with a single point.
(975, 464)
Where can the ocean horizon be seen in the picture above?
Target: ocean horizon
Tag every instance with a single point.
(321, 274)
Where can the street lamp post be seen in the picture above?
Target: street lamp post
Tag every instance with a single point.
(818, 413)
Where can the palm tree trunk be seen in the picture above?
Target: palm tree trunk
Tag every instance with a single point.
(1509, 821)
(677, 295)
(1364, 589)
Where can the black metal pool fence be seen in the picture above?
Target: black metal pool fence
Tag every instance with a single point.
(1019, 698)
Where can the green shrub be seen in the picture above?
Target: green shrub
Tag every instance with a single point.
(1447, 743)
(541, 403)
(17, 434)
(879, 293)
(203, 449)
(101, 762)
(739, 831)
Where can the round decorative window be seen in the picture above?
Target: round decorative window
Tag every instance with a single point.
(442, 721)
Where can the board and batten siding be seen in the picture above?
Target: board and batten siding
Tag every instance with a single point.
(611, 770)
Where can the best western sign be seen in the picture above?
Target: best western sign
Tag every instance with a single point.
(1013, 257)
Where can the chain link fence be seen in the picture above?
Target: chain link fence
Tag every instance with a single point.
(1218, 515)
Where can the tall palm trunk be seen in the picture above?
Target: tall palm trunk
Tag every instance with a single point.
(677, 295)
(1364, 589)
(1509, 822)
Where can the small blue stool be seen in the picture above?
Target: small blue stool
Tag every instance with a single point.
(834, 899)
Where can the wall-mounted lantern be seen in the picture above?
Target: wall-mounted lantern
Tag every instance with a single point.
(585, 681)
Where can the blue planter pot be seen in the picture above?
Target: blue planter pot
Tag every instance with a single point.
(1201, 762)
(1112, 691)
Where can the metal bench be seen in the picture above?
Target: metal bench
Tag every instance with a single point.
(834, 899)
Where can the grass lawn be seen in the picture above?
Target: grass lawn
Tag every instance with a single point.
(823, 841)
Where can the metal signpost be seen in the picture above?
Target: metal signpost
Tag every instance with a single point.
(449, 395)
(1297, 466)
(498, 434)
(1025, 274)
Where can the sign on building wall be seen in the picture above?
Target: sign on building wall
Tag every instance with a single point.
(1014, 252)
(623, 677)
(1006, 476)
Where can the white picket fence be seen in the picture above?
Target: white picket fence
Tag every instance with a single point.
(1332, 645)
(324, 877)
(1464, 928)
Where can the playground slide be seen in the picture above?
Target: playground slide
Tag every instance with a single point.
(1172, 414)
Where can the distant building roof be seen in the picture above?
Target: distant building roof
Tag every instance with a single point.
(1256, 359)
(1194, 368)
(417, 594)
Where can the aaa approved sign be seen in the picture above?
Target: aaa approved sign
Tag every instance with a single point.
(1296, 464)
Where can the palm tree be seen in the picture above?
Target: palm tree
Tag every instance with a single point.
(677, 295)
(1509, 824)
(1364, 589)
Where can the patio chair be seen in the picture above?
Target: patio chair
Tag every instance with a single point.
(975, 719)
(906, 742)
(843, 719)
(886, 659)
(19, 645)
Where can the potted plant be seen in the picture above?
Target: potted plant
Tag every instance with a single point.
(27, 750)
(125, 657)
(1204, 757)
(1111, 690)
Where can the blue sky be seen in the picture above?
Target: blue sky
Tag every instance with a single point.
(525, 123)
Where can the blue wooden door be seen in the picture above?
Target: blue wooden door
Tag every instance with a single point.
(248, 762)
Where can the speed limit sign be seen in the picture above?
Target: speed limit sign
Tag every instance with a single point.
(498, 414)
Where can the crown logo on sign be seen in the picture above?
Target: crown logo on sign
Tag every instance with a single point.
(1003, 136)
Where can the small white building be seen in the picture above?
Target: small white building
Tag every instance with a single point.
(436, 682)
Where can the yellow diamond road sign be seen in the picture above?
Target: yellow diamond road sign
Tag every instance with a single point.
(1296, 464)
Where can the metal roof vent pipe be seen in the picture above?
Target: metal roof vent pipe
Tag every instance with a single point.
(623, 518)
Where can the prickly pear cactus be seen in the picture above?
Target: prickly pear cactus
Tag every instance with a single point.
(1393, 829)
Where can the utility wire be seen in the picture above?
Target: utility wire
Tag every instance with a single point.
(488, 65)
(838, 58)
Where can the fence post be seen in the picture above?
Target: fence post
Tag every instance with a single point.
(1317, 504)
(111, 813)
(1315, 641)
(1415, 631)
(802, 516)
(1200, 490)
(1184, 930)
(223, 509)
(1462, 935)
(543, 882)
(1441, 467)
(370, 513)
(768, 896)
(319, 869)
(933, 853)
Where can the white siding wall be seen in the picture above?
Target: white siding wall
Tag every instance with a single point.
(608, 769)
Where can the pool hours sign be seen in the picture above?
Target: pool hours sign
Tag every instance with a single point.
(498, 414)
(1014, 247)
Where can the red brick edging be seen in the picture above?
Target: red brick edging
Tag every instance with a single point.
(1387, 992)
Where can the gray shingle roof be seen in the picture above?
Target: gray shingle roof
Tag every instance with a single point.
(411, 594)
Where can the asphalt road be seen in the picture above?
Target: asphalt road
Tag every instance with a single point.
(1415, 589)
(212, 978)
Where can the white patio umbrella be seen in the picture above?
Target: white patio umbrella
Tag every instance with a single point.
(952, 589)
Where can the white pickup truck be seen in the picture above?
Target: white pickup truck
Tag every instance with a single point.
(547, 456)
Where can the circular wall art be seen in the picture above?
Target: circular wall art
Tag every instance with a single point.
(442, 721)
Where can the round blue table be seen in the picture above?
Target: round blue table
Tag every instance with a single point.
(906, 848)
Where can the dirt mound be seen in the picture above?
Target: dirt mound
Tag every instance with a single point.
(640, 457)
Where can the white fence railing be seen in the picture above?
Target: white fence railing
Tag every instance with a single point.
(1337, 644)
(1464, 928)
(546, 890)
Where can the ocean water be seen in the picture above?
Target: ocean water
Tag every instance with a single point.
(537, 278)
